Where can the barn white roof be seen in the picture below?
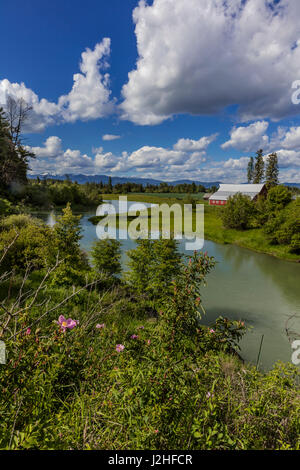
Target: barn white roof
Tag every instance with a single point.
(227, 190)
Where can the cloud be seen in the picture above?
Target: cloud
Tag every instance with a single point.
(108, 137)
(43, 113)
(90, 94)
(200, 56)
(157, 162)
(287, 139)
(189, 144)
(88, 99)
(51, 158)
(248, 138)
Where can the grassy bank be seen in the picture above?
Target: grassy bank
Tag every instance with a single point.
(254, 239)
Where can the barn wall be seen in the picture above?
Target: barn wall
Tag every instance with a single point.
(217, 202)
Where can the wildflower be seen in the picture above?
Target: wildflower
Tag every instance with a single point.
(156, 431)
(100, 325)
(140, 327)
(134, 336)
(209, 395)
(212, 331)
(149, 341)
(66, 324)
(28, 331)
(120, 347)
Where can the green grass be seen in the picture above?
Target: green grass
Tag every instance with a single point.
(253, 239)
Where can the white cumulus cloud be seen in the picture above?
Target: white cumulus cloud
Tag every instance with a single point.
(248, 138)
(200, 56)
(89, 98)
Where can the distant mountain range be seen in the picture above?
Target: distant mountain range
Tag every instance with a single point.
(295, 185)
(118, 179)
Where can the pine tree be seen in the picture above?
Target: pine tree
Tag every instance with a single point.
(259, 168)
(272, 170)
(250, 170)
(109, 188)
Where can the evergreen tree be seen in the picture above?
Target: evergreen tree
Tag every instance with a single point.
(259, 167)
(250, 170)
(109, 186)
(153, 264)
(272, 170)
(106, 255)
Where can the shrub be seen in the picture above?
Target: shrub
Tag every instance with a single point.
(284, 227)
(153, 265)
(106, 255)
(31, 241)
(278, 197)
(238, 212)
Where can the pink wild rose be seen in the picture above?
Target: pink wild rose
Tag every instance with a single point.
(66, 324)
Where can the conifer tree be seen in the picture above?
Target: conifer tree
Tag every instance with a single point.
(250, 170)
(272, 170)
(259, 167)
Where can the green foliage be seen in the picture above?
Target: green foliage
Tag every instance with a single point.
(67, 236)
(238, 212)
(31, 242)
(6, 207)
(106, 255)
(278, 197)
(250, 170)
(284, 227)
(258, 174)
(153, 265)
(272, 170)
(175, 385)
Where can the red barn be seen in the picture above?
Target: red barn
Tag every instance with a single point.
(226, 190)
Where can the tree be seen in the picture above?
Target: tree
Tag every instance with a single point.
(14, 157)
(259, 166)
(153, 265)
(106, 255)
(278, 197)
(67, 237)
(272, 170)
(17, 113)
(238, 212)
(109, 186)
(250, 170)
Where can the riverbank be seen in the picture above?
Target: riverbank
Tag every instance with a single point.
(253, 239)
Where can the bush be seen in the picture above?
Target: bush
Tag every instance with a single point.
(238, 212)
(278, 197)
(283, 227)
(31, 241)
(153, 265)
(106, 255)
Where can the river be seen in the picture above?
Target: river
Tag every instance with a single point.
(261, 290)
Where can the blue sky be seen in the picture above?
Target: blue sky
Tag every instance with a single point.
(188, 89)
